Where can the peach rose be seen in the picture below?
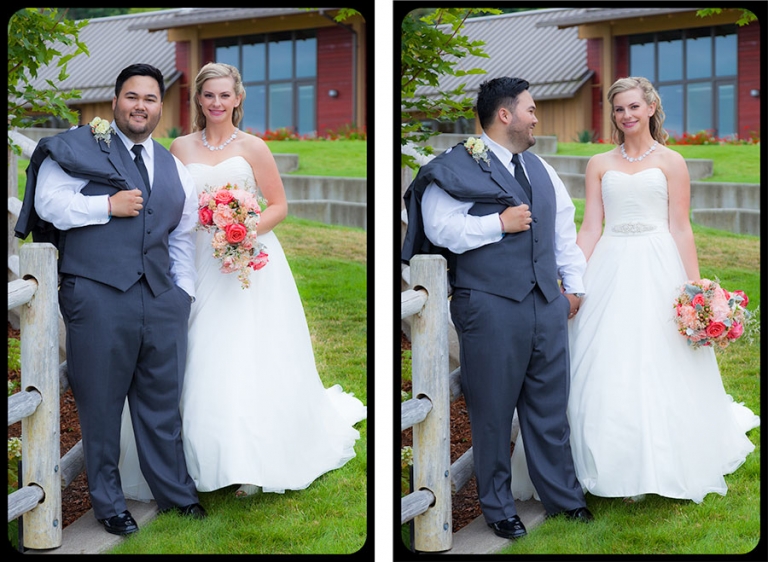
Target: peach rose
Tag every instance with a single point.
(223, 216)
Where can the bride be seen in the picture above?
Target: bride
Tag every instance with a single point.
(254, 410)
(648, 413)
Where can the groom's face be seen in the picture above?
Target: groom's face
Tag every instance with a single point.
(138, 107)
(520, 128)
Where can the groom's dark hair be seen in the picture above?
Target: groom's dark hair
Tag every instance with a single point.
(496, 93)
(140, 70)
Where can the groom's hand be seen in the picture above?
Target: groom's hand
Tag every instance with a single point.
(516, 219)
(126, 203)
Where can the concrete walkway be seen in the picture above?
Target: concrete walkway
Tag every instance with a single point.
(87, 536)
(478, 538)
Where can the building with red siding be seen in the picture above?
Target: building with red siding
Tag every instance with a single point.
(303, 70)
(706, 69)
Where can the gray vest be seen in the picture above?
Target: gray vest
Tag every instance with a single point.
(522, 260)
(123, 250)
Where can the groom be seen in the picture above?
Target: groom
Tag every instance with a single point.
(504, 221)
(121, 211)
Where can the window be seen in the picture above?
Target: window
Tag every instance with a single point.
(694, 71)
(279, 73)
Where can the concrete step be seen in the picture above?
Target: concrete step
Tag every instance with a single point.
(478, 538)
(87, 535)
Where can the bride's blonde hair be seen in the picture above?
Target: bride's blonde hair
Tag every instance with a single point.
(650, 95)
(218, 70)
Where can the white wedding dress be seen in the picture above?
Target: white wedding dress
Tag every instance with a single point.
(253, 407)
(648, 413)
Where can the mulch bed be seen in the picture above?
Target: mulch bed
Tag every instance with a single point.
(464, 503)
(75, 500)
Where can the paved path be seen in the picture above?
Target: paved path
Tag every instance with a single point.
(478, 538)
(87, 536)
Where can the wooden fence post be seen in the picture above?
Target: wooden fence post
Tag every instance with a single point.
(431, 438)
(40, 371)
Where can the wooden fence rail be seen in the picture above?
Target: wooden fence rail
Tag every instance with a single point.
(428, 412)
(39, 501)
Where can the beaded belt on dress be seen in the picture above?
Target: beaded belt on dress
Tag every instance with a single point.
(632, 228)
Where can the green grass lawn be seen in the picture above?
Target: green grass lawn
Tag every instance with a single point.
(731, 163)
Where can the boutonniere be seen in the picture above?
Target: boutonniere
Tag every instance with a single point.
(101, 130)
(477, 149)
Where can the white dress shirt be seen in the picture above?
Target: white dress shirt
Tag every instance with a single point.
(58, 200)
(448, 224)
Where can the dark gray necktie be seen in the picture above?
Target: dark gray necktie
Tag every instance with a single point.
(520, 175)
(139, 161)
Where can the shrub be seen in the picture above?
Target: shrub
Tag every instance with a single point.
(707, 137)
(587, 136)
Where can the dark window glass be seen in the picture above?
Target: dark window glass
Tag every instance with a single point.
(725, 55)
(672, 102)
(271, 65)
(726, 110)
(698, 54)
(307, 110)
(255, 109)
(642, 58)
(670, 56)
(254, 61)
(280, 55)
(280, 106)
(699, 107)
(306, 55)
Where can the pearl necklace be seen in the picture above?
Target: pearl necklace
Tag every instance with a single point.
(647, 152)
(221, 146)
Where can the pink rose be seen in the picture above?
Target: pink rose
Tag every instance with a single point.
(716, 329)
(736, 331)
(205, 199)
(206, 216)
(699, 300)
(236, 233)
(743, 295)
(223, 197)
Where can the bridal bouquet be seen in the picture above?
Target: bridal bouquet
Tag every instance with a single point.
(233, 214)
(708, 315)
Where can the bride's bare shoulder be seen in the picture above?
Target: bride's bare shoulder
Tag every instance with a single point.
(182, 147)
(601, 162)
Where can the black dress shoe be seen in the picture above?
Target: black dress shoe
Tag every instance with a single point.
(580, 514)
(121, 524)
(511, 528)
(193, 510)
